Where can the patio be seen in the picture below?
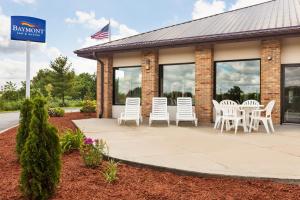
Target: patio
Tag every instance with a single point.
(202, 149)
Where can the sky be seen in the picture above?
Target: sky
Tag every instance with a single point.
(70, 23)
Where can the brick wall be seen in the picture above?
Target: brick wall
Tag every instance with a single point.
(270, 75)
(204, 72)
(108, 86)
(150, 80)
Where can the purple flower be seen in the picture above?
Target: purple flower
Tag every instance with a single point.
(88, 141)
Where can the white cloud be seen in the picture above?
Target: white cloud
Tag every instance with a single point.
(24, 1)
(203, 8)
(245, 3)
(89, 20)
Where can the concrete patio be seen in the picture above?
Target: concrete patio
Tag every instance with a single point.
(203, 149)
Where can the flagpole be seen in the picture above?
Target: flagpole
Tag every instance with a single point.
(109, 38)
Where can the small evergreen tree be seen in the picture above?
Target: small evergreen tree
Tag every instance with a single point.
(23, 131)
(40, 159)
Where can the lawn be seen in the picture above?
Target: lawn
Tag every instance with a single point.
(79, 182)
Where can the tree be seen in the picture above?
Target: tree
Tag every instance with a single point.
(23, 131)
(41, 80)
(10, 91)
(62, 77)
(84, 85)
(40, 159)
(234, 93)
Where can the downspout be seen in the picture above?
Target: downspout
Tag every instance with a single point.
(102, 83)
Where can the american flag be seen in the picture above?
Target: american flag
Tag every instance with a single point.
(102, 34)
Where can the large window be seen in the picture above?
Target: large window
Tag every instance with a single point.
(238, 80)
(127, 83)
(177, 81)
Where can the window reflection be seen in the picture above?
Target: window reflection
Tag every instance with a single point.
(177, 81)
(292, 94)
(127, 83)
(238, 80)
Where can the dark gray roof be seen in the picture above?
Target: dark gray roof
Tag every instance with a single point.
(277, 17)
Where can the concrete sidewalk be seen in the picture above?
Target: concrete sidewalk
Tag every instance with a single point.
(203, 149)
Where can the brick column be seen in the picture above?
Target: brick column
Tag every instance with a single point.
(107, 88)
(98, 90)
(270, 75)
(150, 80)
(204, 72)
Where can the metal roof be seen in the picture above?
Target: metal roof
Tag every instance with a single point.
(277, 17)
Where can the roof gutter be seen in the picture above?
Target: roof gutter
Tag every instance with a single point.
(102, 83)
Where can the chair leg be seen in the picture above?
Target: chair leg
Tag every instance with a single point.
(150, 122)
(245, 126)
(196, 122)
(168, 122)
(265, 122)
(138, 122)
(177, 122)
(271, 125)
(217, 122)
(222, 126)
(236, 122)
(250, 125)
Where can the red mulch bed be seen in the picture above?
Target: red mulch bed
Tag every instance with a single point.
(78, 182)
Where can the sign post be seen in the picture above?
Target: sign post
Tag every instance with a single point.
(28, 69)
(28, 29)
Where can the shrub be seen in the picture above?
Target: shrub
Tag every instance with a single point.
(71, 141)
(10, 105)
(56, 112)
(40, 159)
(111, 171)
(92, 152)
(23, 131)
(88, 106)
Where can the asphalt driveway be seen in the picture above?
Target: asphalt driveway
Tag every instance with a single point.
(8, 119)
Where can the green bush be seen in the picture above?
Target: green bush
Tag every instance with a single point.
(56, 112)
(71, 141)
(10, 105)
(88, 106)
(92, 152)
(40, 159)
(111, 171)
(23, 131)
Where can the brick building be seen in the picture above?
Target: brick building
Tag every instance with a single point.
(249, 53)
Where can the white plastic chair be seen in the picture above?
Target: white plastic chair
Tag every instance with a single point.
(132, 111)
(251, 103)
(218, 114)
(257, 115)
(228, 103)
(235, 115)
(185, 110)
(159, 110)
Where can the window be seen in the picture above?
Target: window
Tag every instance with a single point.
(238, 80)
(127, 83)
(177, 81)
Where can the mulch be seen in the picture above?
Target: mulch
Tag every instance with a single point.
(78, 182)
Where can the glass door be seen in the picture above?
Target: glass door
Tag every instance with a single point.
(291, 93)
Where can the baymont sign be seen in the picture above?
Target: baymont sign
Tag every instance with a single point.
(28, 29)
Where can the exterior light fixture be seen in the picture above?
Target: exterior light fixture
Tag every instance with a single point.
(269, 57)
(148, 61)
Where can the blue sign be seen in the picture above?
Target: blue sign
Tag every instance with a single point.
(28, 29)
